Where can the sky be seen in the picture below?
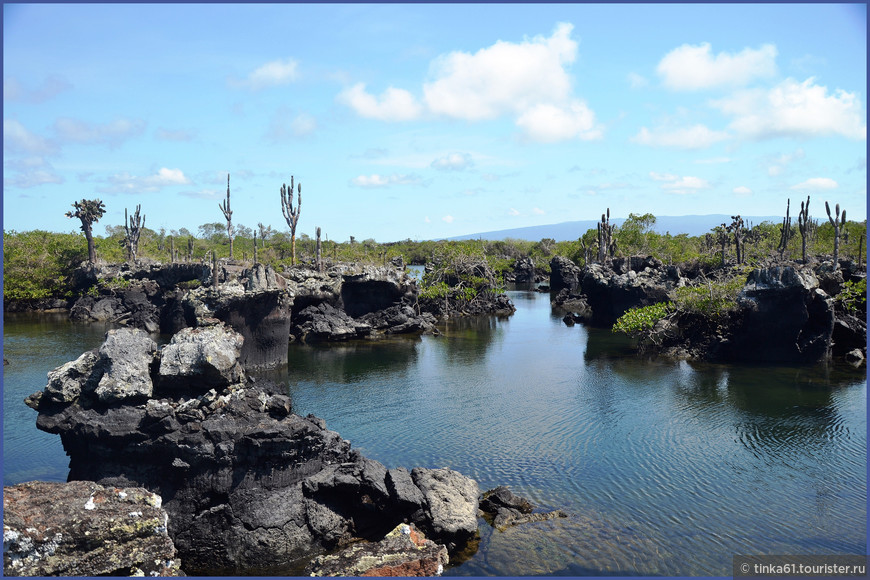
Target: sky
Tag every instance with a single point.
(426, 121)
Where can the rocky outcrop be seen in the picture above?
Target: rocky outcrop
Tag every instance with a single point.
(611, 292)
(786, 317)
(248, 485)
(564, 274)
(507, 509)
(326, 322)
(405, 551)
(84, 529)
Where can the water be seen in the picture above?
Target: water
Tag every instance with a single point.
(666, 468)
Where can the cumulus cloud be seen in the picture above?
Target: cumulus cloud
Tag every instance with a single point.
(694, 67)
(514, 212)
(694, 137)
(126, 183)
(538, 211)
(52, 86)
(779, 164)
(528, 80)
(742, 190)
(505, 77)
(453, 162)
(393, 104)
(793, 109)
(29, 172)
(547, 123)
(17, 139)
(284, 125)
(816, 183)
(376, 180)
(448, 219)
(679, 185)
(273, 73)
(111, 134)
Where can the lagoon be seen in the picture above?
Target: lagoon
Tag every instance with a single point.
(665, 467)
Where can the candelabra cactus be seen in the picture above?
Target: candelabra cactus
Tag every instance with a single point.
(738, 229)
(785, 231)
(839, 222)
(133, 230)
(318, 252)
(291, 214)
(605, 237)
(228, 214)
(89, 211)
(803, 226)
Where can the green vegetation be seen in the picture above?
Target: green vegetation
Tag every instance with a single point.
(39, 264)
(853, 297)
(637, 321)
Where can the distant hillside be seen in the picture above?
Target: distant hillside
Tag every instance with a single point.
(694, 225)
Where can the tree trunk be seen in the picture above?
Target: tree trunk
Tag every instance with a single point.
(92, 251)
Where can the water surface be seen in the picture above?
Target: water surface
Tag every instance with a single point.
(666, 468)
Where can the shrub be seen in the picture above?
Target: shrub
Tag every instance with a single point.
(637, 321)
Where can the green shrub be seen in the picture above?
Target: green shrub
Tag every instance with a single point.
(853, 296)
(642, 319)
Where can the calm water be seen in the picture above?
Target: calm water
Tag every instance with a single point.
(666, 468)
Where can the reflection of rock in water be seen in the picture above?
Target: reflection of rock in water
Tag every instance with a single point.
(553, 547)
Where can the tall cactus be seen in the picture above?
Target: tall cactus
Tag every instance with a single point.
(785, 231)
(737, 228)
(838, 221)
(133, 230)
(803, 226)
(291, 214)
(318, 252)
(255, 246)
(228, 214)
(606, 242)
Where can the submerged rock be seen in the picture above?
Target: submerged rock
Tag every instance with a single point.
(507, 509)
(84, 529)
(405, 551)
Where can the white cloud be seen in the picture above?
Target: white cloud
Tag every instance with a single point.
(816, 183)
(514, 212)
(111, 134)
(376, 180)
(393, 104)
(694, 67)
(29, 172)
(18, 139)
(427, 220)
(505, 77)
(453, 161)
(778, 165)
(679, 185)
(742, 190)
(712, 160)
(793, 109)
(694, 137)
(126, 183)
(205, 194)
(50, 87)
(538, 211)
(547, 123)
(273, 73)
(636, 81)
(448, 219)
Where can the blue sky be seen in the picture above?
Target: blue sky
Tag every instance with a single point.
(426, 121)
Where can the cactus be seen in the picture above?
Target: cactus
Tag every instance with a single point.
(606, 243)
(89, 211)
(318, 252)
(228, 214)
(737, 228)
(785, 231)
(133, 230)
(291, 214)
(803, 226)
(838, 221)
(722, 237)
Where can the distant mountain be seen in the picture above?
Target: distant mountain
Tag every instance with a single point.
(694, 225)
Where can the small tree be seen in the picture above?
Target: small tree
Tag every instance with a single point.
(89, 211)
(132, 231)
(228, 214)
(291, 214)
(838, 221)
